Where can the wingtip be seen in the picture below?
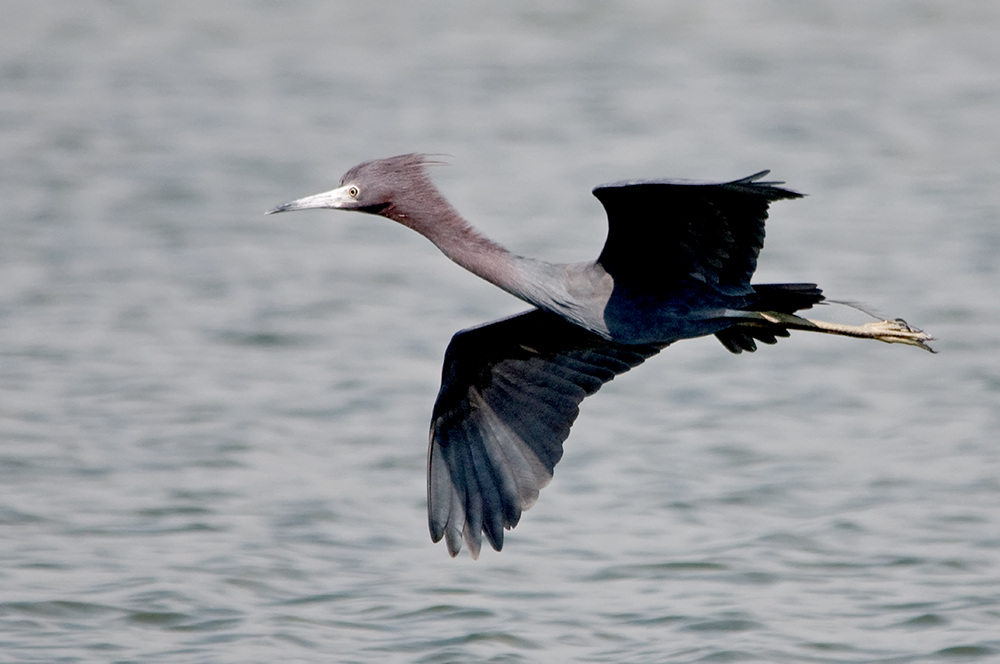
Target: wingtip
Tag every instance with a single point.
(749, 184)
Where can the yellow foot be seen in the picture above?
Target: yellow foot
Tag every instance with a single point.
(890, 331)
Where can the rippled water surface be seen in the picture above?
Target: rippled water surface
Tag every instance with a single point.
(213, 423)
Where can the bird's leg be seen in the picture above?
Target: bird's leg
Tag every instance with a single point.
(890, 331)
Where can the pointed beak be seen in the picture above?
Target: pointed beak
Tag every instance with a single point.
(336, 198)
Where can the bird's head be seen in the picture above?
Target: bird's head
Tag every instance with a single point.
(376, 187)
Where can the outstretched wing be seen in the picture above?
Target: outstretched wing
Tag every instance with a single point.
(664, 232)
(510, 391)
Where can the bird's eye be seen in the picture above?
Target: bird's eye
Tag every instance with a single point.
(353, 191)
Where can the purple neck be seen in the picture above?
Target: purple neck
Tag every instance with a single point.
(434, 218)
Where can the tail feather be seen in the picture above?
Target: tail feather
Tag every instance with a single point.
(783, 298)
(786, 298)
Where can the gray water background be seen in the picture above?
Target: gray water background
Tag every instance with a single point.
(213, 423)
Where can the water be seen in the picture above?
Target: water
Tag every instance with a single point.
(212, 423)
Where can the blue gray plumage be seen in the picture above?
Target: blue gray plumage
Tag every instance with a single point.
(677, 264)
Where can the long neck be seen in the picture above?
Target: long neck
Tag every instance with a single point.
(535, 282)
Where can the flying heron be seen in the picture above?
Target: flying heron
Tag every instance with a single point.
(676, 265)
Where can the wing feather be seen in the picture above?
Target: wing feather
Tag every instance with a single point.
(510, 392)
(662, 233)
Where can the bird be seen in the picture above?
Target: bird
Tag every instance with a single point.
(676, 264)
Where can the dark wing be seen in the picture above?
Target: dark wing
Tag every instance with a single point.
(510, 391)
(662, 233)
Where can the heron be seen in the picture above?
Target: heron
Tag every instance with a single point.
(676, 264)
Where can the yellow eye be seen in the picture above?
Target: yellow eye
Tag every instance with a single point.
(353, 191)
